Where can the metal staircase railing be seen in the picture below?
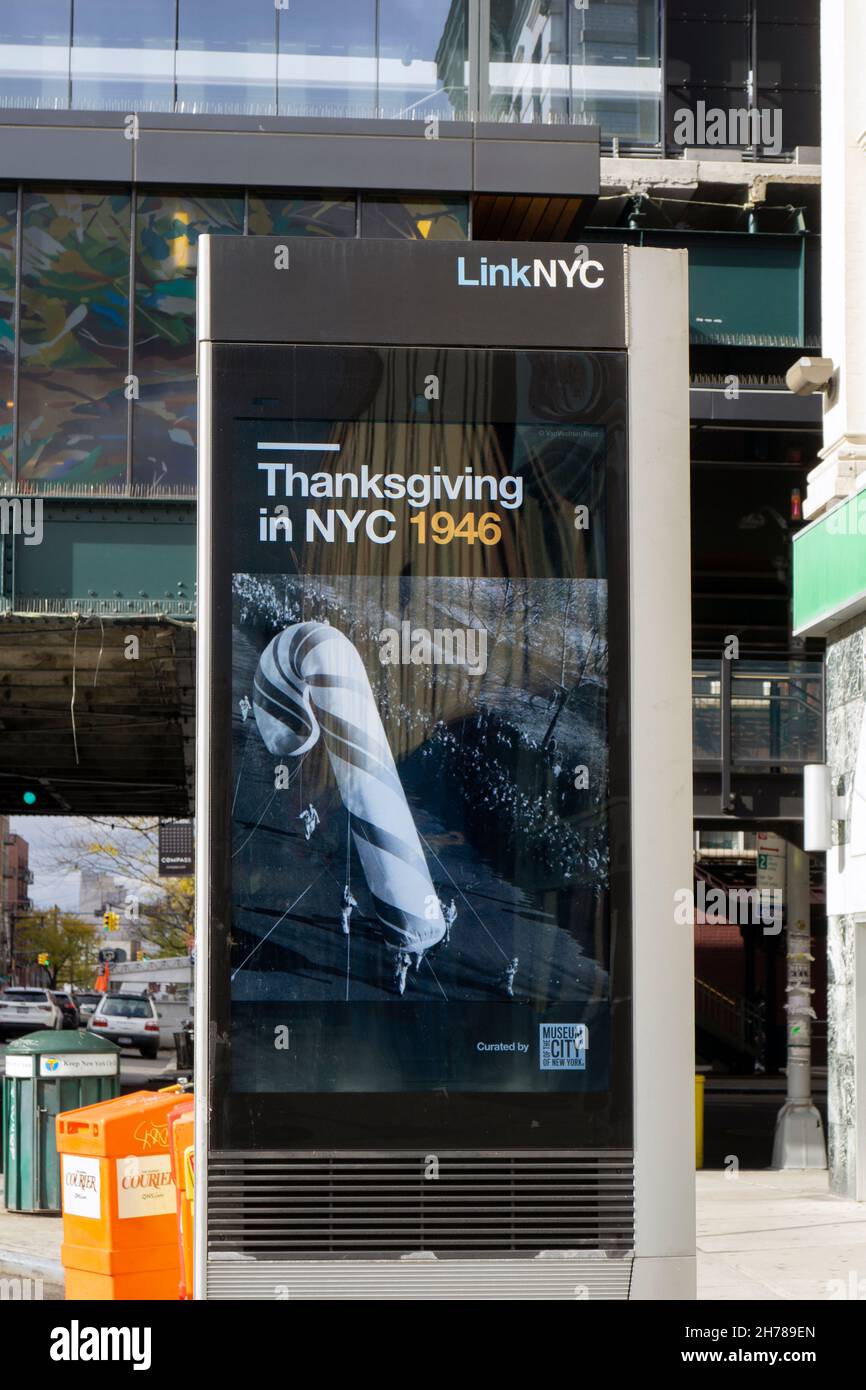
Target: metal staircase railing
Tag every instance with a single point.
(730, 1018)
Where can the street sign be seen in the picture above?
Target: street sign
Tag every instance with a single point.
(771, 861)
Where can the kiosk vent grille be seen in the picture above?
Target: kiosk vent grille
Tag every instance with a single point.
(295, 1203)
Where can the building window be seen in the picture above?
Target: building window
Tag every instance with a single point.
(34, 54)
(414, 218)
(166, 245)
(322, 217)
(327, 59)
(615, 69)
(8, 237)
(227, 57)
(556, 63)
(123, 55)
(529, 77)
(422, 59)
(72, 408)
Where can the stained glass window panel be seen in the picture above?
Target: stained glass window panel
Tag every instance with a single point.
(8, 216)
(167, 230)
(322, 217)
(418, 219)
(72, 410)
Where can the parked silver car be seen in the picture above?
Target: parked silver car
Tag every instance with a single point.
(130, 1020)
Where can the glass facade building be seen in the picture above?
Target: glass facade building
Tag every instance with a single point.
(97, 283)
(511, 60)
(626, 65)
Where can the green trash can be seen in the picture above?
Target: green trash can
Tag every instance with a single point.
(46, 1073)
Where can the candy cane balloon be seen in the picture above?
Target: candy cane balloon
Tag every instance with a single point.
(311, 680)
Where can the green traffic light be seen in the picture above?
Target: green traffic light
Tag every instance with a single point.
(29, 798)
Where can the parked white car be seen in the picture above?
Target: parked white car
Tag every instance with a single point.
(25, 1010)
(130, 1020)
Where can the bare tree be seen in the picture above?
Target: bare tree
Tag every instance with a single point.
(127, 848)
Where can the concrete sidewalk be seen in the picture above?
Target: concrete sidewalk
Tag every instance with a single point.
(762, 1236)
(30, 1245)
(776, 1236)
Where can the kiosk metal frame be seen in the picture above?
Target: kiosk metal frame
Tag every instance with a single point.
(634, 301)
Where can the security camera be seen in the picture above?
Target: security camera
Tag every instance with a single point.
(810, 375)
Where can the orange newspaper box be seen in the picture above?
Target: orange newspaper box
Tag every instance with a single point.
(118, 1195)
(181, 1127)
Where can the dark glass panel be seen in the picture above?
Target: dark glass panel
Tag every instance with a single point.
(714, 52)
(800, 115)
(681, 100)
(788, 11)
(708, 9)
(789, 55)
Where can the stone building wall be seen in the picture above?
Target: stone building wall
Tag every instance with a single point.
(846, 709)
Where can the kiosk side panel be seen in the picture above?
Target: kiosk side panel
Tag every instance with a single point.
(659, 541)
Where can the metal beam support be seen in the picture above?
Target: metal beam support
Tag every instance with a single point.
(725, 718)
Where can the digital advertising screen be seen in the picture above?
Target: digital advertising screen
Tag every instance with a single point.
(422, 672)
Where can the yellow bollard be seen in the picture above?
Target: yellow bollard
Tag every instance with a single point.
(699, 1121)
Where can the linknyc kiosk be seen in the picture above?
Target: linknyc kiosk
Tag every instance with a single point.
(443, 1009)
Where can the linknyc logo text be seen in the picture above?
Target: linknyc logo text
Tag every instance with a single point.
(527, 275)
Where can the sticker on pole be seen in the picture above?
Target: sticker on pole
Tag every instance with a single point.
(81, 1186)
(562, 1046)
(145, 1186)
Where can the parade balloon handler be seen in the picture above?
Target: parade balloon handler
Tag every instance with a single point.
(346, 910)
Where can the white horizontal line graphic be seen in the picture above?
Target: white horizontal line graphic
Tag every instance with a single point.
(295, 448)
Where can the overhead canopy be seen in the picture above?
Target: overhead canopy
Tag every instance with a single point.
(96, 715)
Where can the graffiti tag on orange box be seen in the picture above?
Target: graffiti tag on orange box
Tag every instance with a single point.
(151, 1135)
